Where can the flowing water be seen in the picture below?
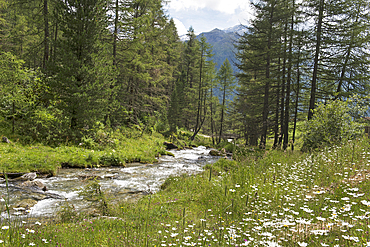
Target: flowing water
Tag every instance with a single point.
(127, 183)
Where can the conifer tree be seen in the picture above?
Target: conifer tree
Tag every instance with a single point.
(226, 80)
(83, 71)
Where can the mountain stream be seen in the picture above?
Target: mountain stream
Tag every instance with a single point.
(128, 183)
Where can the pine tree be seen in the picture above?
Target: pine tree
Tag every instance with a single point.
(258, 51)
(205, 64)
(226, 80)
(83, 73)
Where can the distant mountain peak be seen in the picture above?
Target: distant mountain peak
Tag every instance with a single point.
(216, 30)
(239, 29)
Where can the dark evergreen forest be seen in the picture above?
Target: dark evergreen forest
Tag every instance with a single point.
(69, 65)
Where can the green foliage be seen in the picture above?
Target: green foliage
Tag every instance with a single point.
(67, 213)
(111, 159)
(280, 190)
(331, 125)
(93, 192)
(223, 165)
(129, 146)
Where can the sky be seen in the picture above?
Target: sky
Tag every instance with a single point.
(206, 15)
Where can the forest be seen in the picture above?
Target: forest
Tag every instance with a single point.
(67, 66)
(91, 91)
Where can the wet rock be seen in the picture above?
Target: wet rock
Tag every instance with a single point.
(28, 176)
(170, 145)
(110, 176)
(89, 177)
(38, 196)
(36, 184)
(5, 139)
(143, 192)
(26, 204)
(215, 153)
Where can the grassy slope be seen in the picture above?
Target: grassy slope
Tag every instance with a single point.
(289, 199)
(123, 148)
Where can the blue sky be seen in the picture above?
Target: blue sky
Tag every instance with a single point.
(206, 15)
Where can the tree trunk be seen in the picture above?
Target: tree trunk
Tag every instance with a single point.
(267, 84)
(276, 139)
(297, 93)
(287, 100)
(316, 61)
(222, 113)
(283, 82)
(46, 35)
(115, 33)
(211, 108)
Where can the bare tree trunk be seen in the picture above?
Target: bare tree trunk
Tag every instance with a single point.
(46, 35)
(287, 102)
(276, 139)
(297, 93)
(222, 113)
(267, 83)
(211, 108)
(115, 33)
(316, 61)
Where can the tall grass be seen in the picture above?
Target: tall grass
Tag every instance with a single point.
(122, 147)
(279, 199)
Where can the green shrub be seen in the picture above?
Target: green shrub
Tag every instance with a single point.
(331, 125)
(223, 165)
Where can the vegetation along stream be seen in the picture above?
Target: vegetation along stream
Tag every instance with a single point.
(120, 183)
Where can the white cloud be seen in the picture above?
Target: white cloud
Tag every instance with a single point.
(181, 29)
(223, 6)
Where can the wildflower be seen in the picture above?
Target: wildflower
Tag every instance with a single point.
(319, 232)
(37, 223)
(5, 227)
(366, 203)
(32, 244)
(351, 238)
(302, 244)
(319, 192)
(1, 241)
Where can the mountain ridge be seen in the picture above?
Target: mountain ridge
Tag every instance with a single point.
(222, 41)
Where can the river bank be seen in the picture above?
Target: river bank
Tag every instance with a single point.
(280, 199)
(118, 183)
(120, 148)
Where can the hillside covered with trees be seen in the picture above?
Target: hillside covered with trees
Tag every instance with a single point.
(67, 66)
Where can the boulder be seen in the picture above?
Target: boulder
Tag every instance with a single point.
(26, 204)
(214, 152)
(5, 139)
(28, 176)
(170, 145)
(35, 184)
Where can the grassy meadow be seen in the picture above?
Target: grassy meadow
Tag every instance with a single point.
(110, 149)
(269, 198)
